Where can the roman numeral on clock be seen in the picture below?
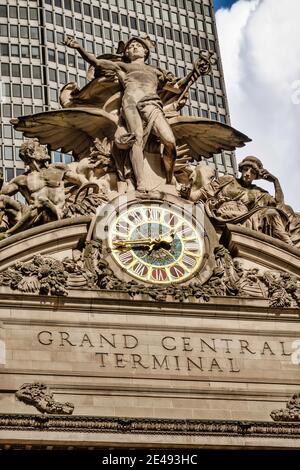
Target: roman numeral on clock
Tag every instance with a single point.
(159, 274)
(136, 217)
(177, 271)
(171, 219)
(189, 261)
(192, 246)
(140, 269)
(126, 257)
(185, 231)
(153, 214)
(122, 227)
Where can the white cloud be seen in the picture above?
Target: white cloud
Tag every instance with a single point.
(260, 49)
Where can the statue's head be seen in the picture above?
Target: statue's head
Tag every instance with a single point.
(31, 150)
(136, 47)
(251, 168)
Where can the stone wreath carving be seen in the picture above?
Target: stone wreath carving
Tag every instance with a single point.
(88, 270)
(38, 395)
(42, 275)
(291, 412)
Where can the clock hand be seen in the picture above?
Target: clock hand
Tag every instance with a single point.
(124, 243)
(148, 242)
(169, 254)
(161, 240)
(169, 238)
(151, 243)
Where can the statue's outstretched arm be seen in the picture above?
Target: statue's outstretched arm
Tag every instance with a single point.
(11, 188)
(108, 65)
(71, 42)
(75, 178)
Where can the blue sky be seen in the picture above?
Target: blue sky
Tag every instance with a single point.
(223, 3)
(262, 75)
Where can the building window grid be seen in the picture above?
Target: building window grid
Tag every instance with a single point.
(139, 14)
(173, 63)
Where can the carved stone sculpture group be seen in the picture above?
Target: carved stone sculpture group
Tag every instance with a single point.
(126, 134)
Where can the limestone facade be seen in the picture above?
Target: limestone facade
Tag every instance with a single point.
(144, 372)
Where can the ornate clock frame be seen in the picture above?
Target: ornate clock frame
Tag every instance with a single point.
(193, 214)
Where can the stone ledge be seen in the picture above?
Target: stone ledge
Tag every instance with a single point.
(46, 239)
(119, 303)
(86, 424)
(261, 249)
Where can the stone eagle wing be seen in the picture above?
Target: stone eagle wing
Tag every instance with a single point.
(204, 137)
(70, 130)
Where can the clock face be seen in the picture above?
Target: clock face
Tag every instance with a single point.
(156, 243)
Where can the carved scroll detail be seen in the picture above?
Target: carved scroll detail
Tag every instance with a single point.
(38, 395)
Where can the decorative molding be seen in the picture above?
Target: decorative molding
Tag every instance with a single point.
(38, 395)
(87, 269)
(291, 412)
(88, 424)
(42, 275)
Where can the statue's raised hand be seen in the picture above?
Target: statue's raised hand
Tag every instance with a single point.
(266, 175)
(71, 42)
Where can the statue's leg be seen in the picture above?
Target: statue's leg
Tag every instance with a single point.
(295, 230)
(28, 218)
(163, 130)
(274, 226)
(48, 209)
(13, 211)
(135, 127)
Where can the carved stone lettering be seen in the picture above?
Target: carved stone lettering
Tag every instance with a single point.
(186, 353)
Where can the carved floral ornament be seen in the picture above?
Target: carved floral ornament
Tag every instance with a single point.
(88, 270)
(291, 412)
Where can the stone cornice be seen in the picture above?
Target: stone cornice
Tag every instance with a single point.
(45, 228)
(192, 427)
(119, 302)
(259, 248)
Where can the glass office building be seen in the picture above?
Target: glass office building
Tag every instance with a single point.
(35, 64)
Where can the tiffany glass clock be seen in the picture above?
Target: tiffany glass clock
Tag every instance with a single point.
(155, 242)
